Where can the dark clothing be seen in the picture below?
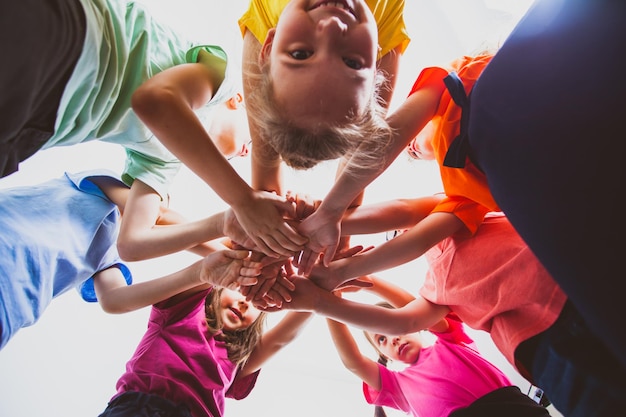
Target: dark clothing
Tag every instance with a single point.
(546, 126)
(579, 374)
(507, 401)
(46, 37)
(138, 404)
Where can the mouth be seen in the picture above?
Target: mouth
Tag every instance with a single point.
(237, 313)
(402, 348)
(342, 5)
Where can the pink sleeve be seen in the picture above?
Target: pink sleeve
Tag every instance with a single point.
(390, 394)
(242, 387)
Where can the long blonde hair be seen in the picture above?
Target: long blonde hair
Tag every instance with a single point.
(239, 343)
(362, 137)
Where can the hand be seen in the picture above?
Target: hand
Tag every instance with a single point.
(323, 237)
(229, 269)
(329, 277)
(234, 231)
(261, 218)
(272, 272)
(305, 205)
(353, 285)
(302, 297)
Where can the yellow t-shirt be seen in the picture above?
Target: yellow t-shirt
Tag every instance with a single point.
(262, 15)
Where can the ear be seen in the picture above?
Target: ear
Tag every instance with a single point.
(266, 48)
(234, 101)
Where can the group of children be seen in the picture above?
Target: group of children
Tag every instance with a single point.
(317, 81)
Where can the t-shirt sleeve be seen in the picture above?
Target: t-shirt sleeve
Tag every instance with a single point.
(468, 211)
(241, 388)
(390, 394)
(455, 333)
(87, 290)
(392, 30)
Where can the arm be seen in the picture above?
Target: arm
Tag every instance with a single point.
(274, 340)
(166, 103)
(224, 268)
(351, 357)
(147, 230)
(400, 250)
(388, 215)
(417, 315)
(322, 226)
(266, 163)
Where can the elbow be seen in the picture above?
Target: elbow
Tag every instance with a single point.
(111, 307)
(128, 250)
(150, 102)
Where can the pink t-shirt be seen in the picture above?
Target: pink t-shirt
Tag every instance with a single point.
(493, 282)
(179, 360)
(448, 375)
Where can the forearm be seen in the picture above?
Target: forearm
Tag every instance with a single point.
(394, 294)
(121, 298)
(160, 240)
(408, 246)
(389, 215)
(275, 339)
(373, 318)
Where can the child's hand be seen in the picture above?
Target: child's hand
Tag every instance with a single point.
(229, 269)
(323, 235)
(304, 204)
(261, 217)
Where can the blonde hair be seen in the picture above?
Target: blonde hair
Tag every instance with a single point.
(239, 343)
(362, 138)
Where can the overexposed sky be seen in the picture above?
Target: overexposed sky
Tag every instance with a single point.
(67, 364)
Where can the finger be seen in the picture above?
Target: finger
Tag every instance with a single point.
(329, 254)
(247, 282)
(266, 286)
(307, 261)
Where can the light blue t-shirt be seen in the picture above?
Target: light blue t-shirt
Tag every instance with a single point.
(55, 237)
(124, 47)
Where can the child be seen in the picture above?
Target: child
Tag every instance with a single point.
(449, 378)
(468, 197)
(350, 91)
(493, 282)
(125, 79)
(533, 114)
(310, 68)
(62, 234)
(200, 347)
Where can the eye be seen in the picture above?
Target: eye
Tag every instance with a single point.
(300, 54)
(353, 63)
(381, 339)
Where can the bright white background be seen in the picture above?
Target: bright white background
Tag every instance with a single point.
(67, 364)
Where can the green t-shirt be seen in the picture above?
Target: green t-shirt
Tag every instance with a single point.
(124, 47)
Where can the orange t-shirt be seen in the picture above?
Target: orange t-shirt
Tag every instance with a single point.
(468, 195)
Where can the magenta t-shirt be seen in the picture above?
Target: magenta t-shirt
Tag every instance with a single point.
(178, 359)
(448, 375)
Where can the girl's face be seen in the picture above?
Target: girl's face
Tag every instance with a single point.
(235, 311)
(323, 59)
(405, 348)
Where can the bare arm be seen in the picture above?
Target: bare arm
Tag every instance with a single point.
(400, 250)
(322, 226)
(274, 340)
(388, 215)
(166, 104)
(222, 268)
(351, 356)
(417, 315)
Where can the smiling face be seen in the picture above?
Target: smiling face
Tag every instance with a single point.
(236, 313)
(404, 348)
(323, 60)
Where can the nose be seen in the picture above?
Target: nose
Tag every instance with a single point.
(395, 341)
(332, 25)
(242, 305)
